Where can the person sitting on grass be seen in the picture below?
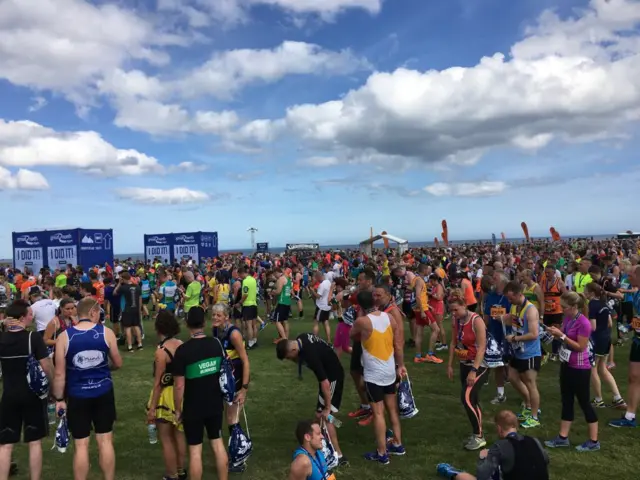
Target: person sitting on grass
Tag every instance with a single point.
(515, 456)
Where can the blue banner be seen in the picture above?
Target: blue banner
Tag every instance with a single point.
(208, 245)
(158, 247)
(186, 246)
(493, 238)
(58, 248)
(29, 250)
(262, 247)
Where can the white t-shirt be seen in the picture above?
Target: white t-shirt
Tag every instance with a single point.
(324, 290)
(43, 312)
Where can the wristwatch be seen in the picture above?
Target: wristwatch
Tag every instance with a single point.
(245, 386)
(474, 369)
(562, 338)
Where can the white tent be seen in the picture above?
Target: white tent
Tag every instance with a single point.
(367, 245)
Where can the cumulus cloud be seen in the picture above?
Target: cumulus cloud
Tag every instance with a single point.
(319, 162)
(157, 196)
(465, 189)
(28, 144)
(573, 79)
(23, 179)
(189, 167)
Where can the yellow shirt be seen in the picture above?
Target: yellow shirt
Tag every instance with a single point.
(212, 286)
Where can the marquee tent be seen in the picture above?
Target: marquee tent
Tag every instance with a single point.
(366, 245)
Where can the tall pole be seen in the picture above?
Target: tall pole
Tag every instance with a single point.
(253, 231)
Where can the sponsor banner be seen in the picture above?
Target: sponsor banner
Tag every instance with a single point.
(28, 250)
(60, 257)
(158, 246)
(294, 247)
(262, 247)
(208, 245)
(96, 247)
(186, 252)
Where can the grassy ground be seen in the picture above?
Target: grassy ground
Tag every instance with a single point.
(277, 399)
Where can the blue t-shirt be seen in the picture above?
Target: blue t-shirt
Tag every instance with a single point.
(625, 284)
(114, 300)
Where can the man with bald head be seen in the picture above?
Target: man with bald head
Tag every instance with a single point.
(514, 456)
(633, 396)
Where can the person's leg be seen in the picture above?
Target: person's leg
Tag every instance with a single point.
(195, 462)
(327, 330)
(443, 336)
(333, 435)
(222, 459)
(474, 397)
(608, 378)
(127, 334)
(280, 328)
(530, 381)
(316, 327)
(5, 460)
(582, 395)
(391, 404)
(286, 329)
(634, 387)
(567, 392)
(468, 401)
(107, 455)
(596, 385)
(465, 476)
(169, 450)
(137, 332)
(81, 458)
(35, 459)
(181, 448)
(516, 382)
(435, 331)
(379, 427)
(417, 337)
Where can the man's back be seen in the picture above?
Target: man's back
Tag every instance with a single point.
(518, 457)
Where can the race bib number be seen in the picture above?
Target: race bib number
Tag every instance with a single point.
(549, 306)
(635, 324)
(498, 311)
(564, 354)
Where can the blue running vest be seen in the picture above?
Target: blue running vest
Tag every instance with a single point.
(88, 374)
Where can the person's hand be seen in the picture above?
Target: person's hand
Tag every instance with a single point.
(423, 315)
(450, 372)
(151, 416)
(483, 453)
(61, 406)
(324, 414)
(401, 371)
(471, 378)
(178, 416)
(510, 338)
(240, 397)
(555, 331)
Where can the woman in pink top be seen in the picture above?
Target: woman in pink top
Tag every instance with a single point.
(575, 371)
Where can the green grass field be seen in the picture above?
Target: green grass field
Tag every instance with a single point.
(277, 400)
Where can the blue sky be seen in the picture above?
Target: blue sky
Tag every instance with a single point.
(313, 121)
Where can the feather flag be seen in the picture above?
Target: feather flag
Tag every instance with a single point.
(525, 229)
(386, 241)
(445, 233)
(436, 242)
(504, 237)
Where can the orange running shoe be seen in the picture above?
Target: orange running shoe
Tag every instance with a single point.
(366, 420)
(433, 359)
(419, 359)
(360, 413)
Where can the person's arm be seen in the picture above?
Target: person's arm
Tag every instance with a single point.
(114, 353)
(60, 374)
(419, 287)
(50, 331)
(358, 329)
(533, 322)
(245, 293)
(279, 286)
(540, 296)
(489, 462)
(160, 365)
(300, 468)
(41, 354)
(238, 345)
(481, 341)
(452, 348)
(583, 337)
(398, 338)
(179, 368)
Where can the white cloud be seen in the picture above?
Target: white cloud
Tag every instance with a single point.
(572, 79)
(22, 180)
(466, 189)
(38, 103)
(319, 162)
(28, 144)
(157, 196)
(228, 72)
(189, 167)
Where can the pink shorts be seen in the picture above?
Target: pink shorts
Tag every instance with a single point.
(342, 339)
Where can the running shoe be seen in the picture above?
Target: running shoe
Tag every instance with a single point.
(553, 357)
(237, 468)
(524, 414)
(360, 413)
(364, 422)
(498, 400)
(557, 442)
(598, 403)
(432, 359)
(623, 423)
(475, 443)
(620, 403)
(530, 422)
(182, 474)
(376, 457)
(417, 359)
(447, 471)
(397, 450)
(544, 361)
(443, 346)
(588, 446)
(343, 461)
(263, 325)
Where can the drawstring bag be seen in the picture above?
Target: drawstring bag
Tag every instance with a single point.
(494, 353)
(227, 380)
(507, 348)
(240, 444)
(62, 433)
(544, 336)
(406, 403)
(36, 377)
(329, 452)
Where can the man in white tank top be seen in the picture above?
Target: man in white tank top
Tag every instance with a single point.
(376, 332)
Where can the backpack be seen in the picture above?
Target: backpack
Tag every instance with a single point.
(494, 352)
(240, 444)
(406, 402)
(36, 377)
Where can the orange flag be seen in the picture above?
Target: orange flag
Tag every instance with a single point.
(386, 240)
(445, 233)
(525, 229)
(435, 240)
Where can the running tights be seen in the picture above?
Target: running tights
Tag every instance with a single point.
(470, 396)
(574, 384)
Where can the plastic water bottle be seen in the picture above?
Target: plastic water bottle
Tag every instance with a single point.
(152, 431)
(334, 421)
(51, 413)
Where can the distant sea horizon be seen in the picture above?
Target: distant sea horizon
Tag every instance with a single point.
(354, 246)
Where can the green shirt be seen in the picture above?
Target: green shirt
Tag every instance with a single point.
(285, 295)
(192, 295)
(61, 280)
(250, 289)
(581, 280)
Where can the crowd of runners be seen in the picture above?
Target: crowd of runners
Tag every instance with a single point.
(479, 311)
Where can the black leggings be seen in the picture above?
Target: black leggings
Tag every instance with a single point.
(574, 384)
(470, 396)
